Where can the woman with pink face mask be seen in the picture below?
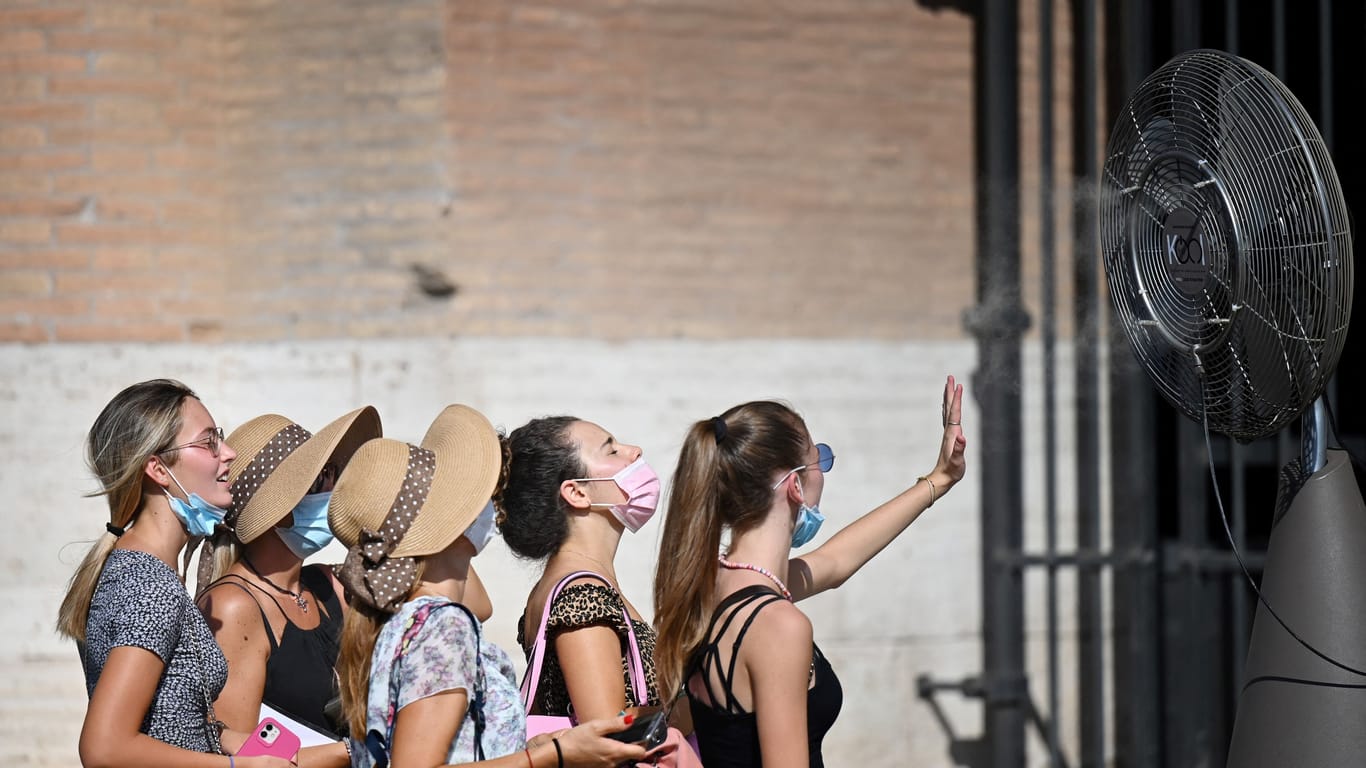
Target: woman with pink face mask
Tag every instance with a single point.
(572, 491)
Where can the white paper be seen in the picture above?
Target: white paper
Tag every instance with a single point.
(308, 737)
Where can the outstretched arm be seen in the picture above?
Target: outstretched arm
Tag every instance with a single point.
(832, 563)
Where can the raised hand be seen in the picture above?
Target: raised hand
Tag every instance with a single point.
(952, 464)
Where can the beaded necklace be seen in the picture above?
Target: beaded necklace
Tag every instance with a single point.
(759, 569)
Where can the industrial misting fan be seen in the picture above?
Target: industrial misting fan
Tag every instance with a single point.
(1229, 259)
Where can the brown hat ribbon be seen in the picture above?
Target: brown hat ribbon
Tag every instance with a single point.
(243, 488)
(368, 572)
(262, 465)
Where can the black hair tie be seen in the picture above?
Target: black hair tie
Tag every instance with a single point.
(718, 428)
(114, 529)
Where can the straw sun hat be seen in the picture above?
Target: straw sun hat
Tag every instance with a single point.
(464, 464)
(278, 460)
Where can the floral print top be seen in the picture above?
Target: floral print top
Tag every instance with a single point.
(440, 657)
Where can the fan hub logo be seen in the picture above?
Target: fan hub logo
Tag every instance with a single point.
(1184, 241)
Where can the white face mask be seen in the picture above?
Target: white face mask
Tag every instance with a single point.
(482, 530)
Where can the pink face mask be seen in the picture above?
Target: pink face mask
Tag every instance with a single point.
(641, 486)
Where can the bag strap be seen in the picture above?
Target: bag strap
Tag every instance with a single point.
(533, 673)
(213, 727)
(379, 749)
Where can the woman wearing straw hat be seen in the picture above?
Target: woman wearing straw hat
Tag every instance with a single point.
(152, 668)
(571, 491)
(278, 621)
(420, 685)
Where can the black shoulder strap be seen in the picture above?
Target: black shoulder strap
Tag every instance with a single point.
(236, 581)
(730, 607)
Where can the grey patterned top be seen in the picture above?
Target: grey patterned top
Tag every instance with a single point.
(139, 601)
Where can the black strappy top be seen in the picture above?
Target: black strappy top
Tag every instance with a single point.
(729, 737)
(299, 671)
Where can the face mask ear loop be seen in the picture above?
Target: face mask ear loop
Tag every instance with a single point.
(174, 480)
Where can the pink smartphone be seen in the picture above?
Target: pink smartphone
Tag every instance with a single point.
(270, 738)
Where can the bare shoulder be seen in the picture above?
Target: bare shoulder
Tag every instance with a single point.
(781, 627)
(231, 605)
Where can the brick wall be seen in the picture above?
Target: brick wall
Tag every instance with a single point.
(107, 151)
(218, 170)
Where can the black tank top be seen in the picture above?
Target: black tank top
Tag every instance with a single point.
(299, 671)
(727, 736)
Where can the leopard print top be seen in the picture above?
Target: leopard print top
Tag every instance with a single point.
(576, 607)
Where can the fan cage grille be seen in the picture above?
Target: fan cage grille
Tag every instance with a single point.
(1226, 243)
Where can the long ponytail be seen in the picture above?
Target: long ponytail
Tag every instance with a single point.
(685, 575)
(140, 421)
(723, 480)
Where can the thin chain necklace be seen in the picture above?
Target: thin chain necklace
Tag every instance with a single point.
(299, 598)
(759, 569)
(605, 566)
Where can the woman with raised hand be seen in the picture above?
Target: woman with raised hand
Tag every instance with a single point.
(571, 492)
(152, 668)
(761, 692)
(420, 685)
(277, 620)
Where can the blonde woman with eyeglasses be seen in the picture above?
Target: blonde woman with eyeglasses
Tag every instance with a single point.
(152, 668)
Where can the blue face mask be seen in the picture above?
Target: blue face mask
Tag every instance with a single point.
(309, 532)
(809, 521)
(199, 516)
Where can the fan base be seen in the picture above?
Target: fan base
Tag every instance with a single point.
(1297, 708)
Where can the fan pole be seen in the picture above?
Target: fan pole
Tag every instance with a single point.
(1314, 438)
(1303, 701)
(998, 322)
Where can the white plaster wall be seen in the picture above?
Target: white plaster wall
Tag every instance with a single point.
(913, 610)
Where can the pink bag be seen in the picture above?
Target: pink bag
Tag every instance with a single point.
(675, 751)
(538, 724)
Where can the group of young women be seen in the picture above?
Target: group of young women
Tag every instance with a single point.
(381, 659)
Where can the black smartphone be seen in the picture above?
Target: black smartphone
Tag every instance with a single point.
(649, 729)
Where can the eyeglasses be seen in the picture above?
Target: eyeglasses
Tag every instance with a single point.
(213, 442)
(825, 461)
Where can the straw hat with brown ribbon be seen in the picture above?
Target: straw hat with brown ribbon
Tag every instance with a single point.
(278, 460)
(398, 501)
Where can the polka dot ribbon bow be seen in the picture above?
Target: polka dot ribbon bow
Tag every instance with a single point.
(368, 571)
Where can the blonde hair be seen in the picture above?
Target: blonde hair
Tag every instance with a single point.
(227, 550)
(360, 630)
(723, 480)
(141, 421)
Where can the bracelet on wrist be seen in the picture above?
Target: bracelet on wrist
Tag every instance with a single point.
(933, 494)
